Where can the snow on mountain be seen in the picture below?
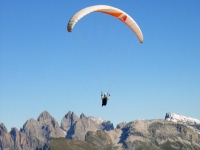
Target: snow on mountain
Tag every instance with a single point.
(179, 118)
(98, 120)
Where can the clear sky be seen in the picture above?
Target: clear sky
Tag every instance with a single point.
(43, 67)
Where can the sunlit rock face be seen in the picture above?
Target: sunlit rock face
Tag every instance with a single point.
(35, 133)
(179, 118)
(173, 132)
(41, 130)
(77, 127)
(192, 122)
(154, 134)
(13, 140)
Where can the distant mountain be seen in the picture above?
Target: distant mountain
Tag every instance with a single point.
(135, 135)
(176, 132)
(35, 133)
(192, 122)
(77, 127)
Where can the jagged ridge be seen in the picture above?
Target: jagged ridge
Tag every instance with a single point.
(95, 133)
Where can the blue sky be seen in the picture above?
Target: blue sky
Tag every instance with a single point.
(43, 67)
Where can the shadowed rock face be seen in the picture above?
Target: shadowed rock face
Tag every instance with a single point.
(121, 125)
(138, 135)
(13, 140)
(195, 123)
(156, 134)
(5, 139)
(39, 131)
(94, 133)
(33, 134)
(77, 127)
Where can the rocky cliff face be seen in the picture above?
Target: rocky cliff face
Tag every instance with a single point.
(33, 134)
(143, 134)
(77, 127)
(95, 133)
(192, 122)
(41, 130)
(155, 134)
(136, 135)
(13, 140)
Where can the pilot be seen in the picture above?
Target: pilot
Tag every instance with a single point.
(104, 98)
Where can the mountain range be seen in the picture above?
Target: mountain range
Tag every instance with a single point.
(174, 132)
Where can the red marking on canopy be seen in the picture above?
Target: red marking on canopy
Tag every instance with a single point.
(124, 18)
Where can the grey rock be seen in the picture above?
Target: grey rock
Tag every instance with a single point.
(137, 135)
(14, 140)
(156, 134)
(95, 133)
(107, 126)
(192, 122)
(121, 125)
(5, 138)
(34, 134)
(68, 124)
(41, 130)
(77, 127)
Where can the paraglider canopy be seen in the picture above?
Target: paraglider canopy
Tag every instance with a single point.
(115, 12)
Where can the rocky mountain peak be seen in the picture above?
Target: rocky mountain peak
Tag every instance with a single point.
(44, 116)
(68, 115)
(180, 118)
(121, 125)
(76, 127)
(96, 131)
(82, 116)
(192, 122)
(3, 129)
(14, 131)
(41, 130)
(71, 115)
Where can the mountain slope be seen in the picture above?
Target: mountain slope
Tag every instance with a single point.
(138, 135)
(176, 132)
(76, 127)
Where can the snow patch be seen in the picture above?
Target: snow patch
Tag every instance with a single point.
(98, 120)
(179, 118)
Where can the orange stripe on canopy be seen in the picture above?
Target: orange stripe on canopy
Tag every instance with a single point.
(114, 14)
(109, 10)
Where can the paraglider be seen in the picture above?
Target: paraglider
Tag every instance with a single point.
(105, 97)
(115, 12)
(109, 10)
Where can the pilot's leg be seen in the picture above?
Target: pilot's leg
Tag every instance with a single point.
(104, 101)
